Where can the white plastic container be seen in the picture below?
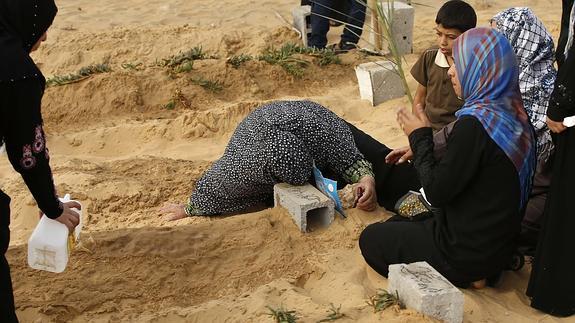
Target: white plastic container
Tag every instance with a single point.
(49, 245)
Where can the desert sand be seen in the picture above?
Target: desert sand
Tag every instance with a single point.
(119, 147)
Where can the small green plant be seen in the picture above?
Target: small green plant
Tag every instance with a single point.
(328, 57)
(83, 73)
(283, 57)
(237, 60)
(281, 315)
(185, 68)
(171, 105)
(196, 53)
(333, 314)
(210, 85)
(178, 98)
(383, 299)
(132, 66)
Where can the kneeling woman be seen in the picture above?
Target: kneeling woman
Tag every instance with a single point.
(279, 142)
(479, 187)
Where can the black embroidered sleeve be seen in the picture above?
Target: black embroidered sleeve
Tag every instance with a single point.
(26, 144)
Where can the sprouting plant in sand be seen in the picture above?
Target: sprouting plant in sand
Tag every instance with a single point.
(210, 85)
(171, 105)
(196, 53)
(82, 74)
(237, 60)
(326, 57)
(285, 57)
(281, 315)
(333, 314)
(132, 66)
(178, 98)
(383, 299)
(185, 68)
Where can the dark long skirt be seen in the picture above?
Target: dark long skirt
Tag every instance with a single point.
(552, 277)
(393, 242)
(7, 312)
(531, 223)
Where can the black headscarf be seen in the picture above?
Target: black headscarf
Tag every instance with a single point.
(22, 24)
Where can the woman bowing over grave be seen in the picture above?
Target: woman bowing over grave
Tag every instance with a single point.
(279, 142)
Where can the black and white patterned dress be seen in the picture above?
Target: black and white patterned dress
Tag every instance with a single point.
(278, 142)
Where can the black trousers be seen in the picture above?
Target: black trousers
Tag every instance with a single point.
(394, 242)
(354, 17)
(7, 310)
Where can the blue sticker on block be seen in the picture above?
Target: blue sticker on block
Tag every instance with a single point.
(329, 188)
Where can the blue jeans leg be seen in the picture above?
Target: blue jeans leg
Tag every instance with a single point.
(355, 21)
(319, 24)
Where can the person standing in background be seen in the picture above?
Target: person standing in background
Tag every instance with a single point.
(322, 10)
(552, 282)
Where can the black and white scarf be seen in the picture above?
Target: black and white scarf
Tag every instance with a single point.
(534, 48)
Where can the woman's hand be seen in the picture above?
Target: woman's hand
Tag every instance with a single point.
(365, 194)
(176, 211)
(555, 126)
(409, 121)
(69, 217)
(399, 155)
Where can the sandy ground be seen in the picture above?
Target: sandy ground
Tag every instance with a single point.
(118, 149)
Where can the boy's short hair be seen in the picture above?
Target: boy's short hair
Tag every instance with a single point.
(456, 14)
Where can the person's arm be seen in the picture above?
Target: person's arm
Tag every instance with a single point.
(419, 98)
(25, 141)
(26, 144)
(443, 180)
(420, 72)
(561, 101)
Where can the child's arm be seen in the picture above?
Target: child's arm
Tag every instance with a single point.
(419, 98)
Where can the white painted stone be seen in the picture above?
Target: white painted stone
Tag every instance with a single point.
(379, 82)
(402, 20)
(425, 290)
(300, 18)
(308, 207)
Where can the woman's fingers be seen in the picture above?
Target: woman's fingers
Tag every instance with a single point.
(555, 126)
(74, 218)
(74, 205)
(394, 156)
(405, 157)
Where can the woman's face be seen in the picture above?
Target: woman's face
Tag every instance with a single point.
(39, 42)
(455, 80)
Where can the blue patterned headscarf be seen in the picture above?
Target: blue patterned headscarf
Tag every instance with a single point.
(488, 72)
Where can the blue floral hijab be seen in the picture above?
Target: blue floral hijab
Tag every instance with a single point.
(489, 77)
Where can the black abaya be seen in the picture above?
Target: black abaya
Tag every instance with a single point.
(552, 281)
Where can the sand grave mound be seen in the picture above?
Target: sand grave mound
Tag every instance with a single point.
(151, 91)
(215, 258)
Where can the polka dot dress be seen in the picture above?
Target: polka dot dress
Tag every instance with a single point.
(278, 142)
